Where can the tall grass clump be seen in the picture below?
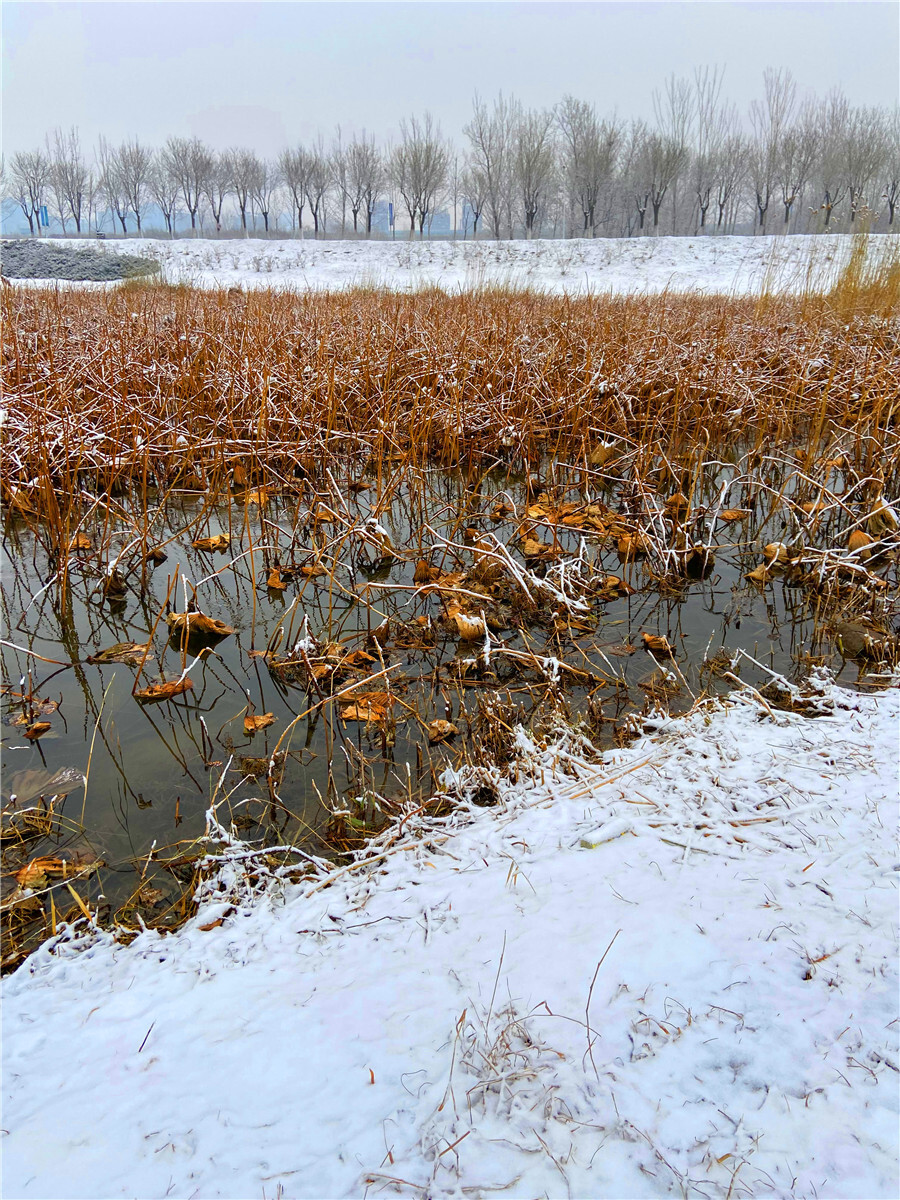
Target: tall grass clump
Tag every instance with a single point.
(150, 389)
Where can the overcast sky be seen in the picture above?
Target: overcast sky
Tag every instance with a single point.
(266, 74)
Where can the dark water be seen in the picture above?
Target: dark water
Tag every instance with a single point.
(152, 770)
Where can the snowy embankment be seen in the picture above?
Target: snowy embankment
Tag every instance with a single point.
(670, 972)
(728, 265)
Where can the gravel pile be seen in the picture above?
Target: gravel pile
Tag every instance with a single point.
(32, 259)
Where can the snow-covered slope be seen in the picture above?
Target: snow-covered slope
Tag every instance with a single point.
(670, 973)
(730, 265)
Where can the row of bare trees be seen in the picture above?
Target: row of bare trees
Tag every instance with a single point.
(791, 163)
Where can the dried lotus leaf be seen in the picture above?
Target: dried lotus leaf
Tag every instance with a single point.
(368, 706)
(130, 653)
(656, 643)
(440, 730)
(760, 574)
(858, 543)
(221, 541)
(255, 722)
(198, 625)
(163, 691)
(36, 730)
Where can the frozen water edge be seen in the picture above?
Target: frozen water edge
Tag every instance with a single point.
(723, 265)
(428, 1026)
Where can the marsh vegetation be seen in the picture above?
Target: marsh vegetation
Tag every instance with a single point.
(277, 567)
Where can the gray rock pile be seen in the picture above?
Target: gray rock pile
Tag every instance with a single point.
(28, 258)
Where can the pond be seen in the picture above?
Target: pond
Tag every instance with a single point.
(383, 628)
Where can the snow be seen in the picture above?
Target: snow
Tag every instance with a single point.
(672, 971)
(729, 265)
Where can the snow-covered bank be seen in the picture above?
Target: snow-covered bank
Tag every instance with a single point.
(437, 1024)
(729, 265)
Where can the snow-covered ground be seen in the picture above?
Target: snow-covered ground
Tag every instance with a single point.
(672, 972)
(729, 265)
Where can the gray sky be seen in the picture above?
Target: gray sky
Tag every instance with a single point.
(268, 73)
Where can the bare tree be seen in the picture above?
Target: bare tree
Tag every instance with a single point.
(729, 172)
(164, 188)
(375, 185)
(634, 193)
(769, 119)
(673, 109)
(891, 171)
(56, 190)
(319, 178)
(419, 167)
(474, 194)
(363, 179)
(401, 177)
(714, 122)
(338, 169)
(865, 150)
(833, 122)
(491, 135)
(134, 164)
(69, 176)
(795, 158)
(29, 178)
(534, 162)
(590, 147)
(265, 187)
(294, 167)
(658, 160)
(245, 169)
(112, 185)
(188, 161)
(217, 184)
